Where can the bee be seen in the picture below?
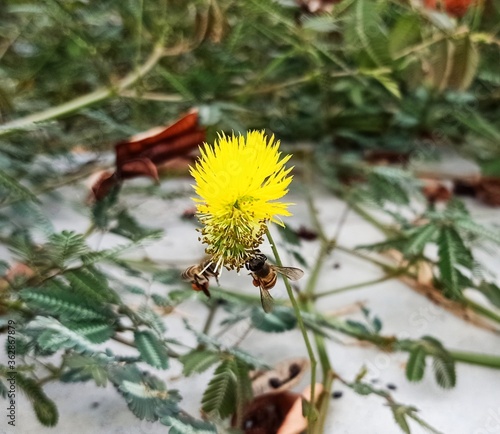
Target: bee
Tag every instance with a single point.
(265, 276)
(200, 274)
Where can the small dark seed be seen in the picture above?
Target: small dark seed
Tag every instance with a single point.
(95, 404)
(336, 266)
(294, 370)
(274, 382)
(337, 394)
(391, 386)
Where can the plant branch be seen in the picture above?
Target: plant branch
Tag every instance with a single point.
(355, 286)
(85, 100)
(300, 322)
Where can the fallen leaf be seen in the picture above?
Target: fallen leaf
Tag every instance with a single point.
(142, 154)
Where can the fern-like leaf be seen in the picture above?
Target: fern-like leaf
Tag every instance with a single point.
(400, 412)
(58, 302)
(415, 367)
(419, 238)
(198, 361)
(151, 318)
(152, 350)
(279, 320)
(45, 409)
(484, 233)
(66, 246)
(14, 189)
(183, 424)
(220, 396)
(452, 252)
(146, 395)
(444, 370)
(51, 335)
(89, 366)
(91, 284)
(96, 332)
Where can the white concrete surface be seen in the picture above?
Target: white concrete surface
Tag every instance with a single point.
(473, 407)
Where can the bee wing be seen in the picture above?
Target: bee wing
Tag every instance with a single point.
(187, 274)
(267, 300)
(291, 272)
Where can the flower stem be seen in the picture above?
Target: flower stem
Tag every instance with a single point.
(300, 322)
(85, 100)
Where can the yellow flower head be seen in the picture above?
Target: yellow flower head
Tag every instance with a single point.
(238, 182)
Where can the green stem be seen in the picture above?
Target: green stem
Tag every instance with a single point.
(313, 278)
(385, 265)
(210, 317)
(300, 322)
(478, 308)
(70, 178)
(355, 286)
(486, 360)
(326, 247)
(369, 218)
(85, 100)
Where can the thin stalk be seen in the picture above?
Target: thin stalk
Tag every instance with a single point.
(313, 278)
(328, 377)
(354, 286)
(325, 249)
(85, 100)
(385, 265)
(478, 308)
(300, 322)
(210, 317)
(67, 179)
(369, 218)
(310, 202)
(486, 360)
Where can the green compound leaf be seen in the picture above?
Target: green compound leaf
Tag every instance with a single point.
(66, 246)
(57, 302)
(13, 188)
(146, 395)
(484, 233)
(91, 283)
(198, 361)
(444, 370)
(88, 366)
(279, 320)
(182, 424)
(220, 396)
(152, 350)
(491, 292)
(399, 412)
(415, 368)
(452, 252)
(51, 335)
(45, 409)
(96, 332)
(419, 238)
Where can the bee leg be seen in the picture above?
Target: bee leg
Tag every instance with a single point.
(201, 287)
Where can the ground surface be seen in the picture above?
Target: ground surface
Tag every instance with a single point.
(473, 407)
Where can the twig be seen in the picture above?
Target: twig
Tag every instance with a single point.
(354, 286)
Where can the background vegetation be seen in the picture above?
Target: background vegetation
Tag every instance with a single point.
(365, 82)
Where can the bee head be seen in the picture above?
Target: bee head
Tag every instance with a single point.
(256, 262)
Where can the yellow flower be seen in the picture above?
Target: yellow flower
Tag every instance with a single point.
(239, 181)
